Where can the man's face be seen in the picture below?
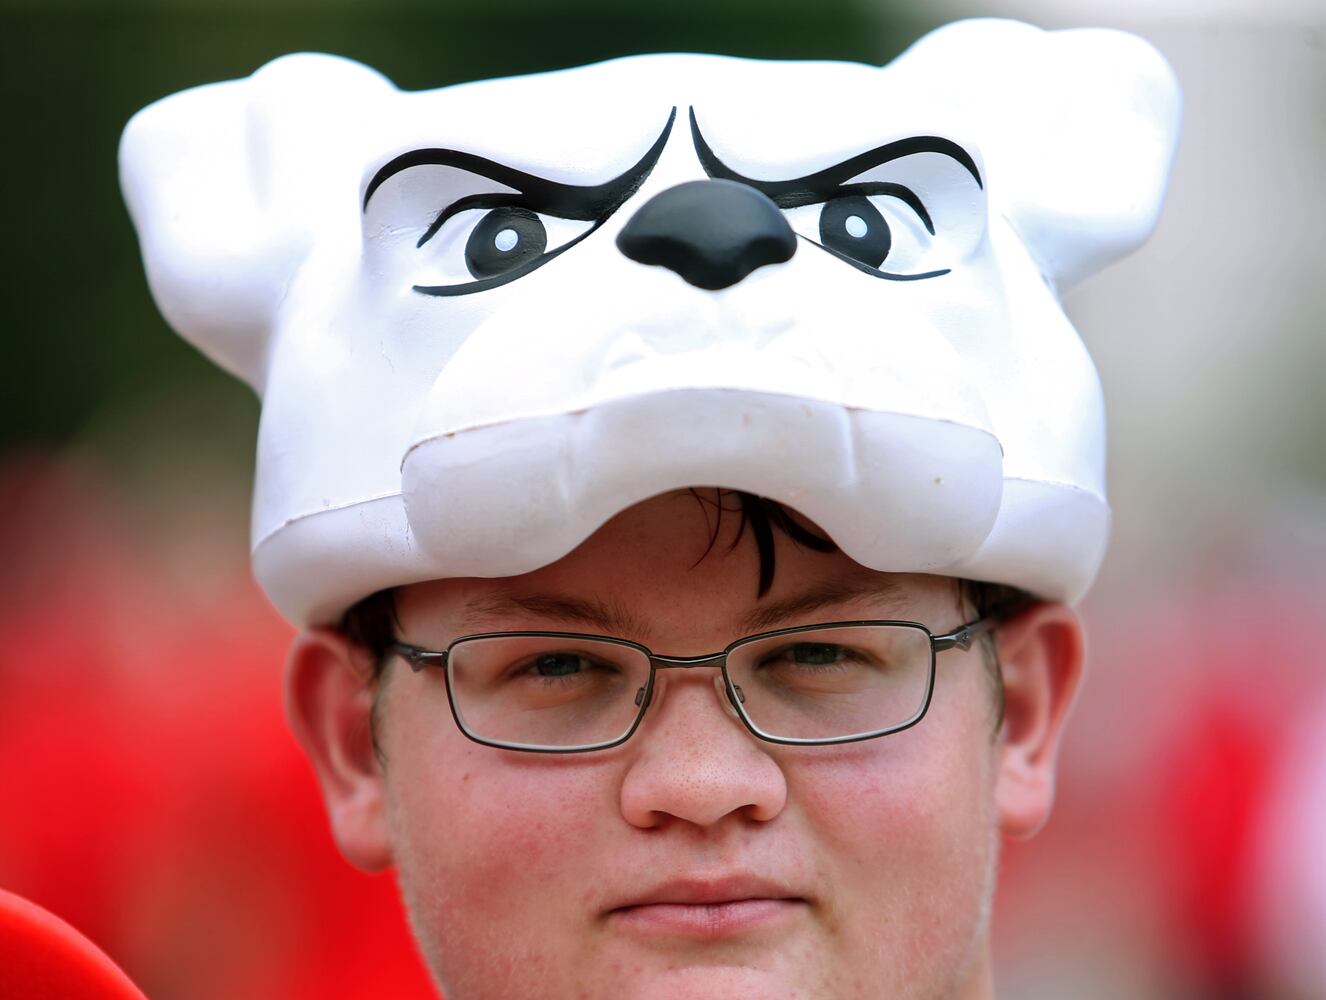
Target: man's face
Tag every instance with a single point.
(866, 869)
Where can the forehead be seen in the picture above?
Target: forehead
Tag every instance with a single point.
(594, 120)
(670, 571)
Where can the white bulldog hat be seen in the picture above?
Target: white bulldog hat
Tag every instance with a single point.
(484, 319)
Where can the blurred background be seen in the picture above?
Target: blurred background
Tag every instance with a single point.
(150, 793)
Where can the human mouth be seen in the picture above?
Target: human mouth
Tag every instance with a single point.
(709, 908)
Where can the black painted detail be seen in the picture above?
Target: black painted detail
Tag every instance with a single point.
(831, 188)
(875, 272)
(856, 229)
(712, 233)
(824, 184)
(561, 199)
(505, 239)
(594, 203)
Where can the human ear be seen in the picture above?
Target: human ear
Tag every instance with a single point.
(329, 703)
(1041, 655)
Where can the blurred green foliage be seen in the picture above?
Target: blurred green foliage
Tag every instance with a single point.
(83, 339)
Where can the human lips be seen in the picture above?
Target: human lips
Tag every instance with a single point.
(709, 908)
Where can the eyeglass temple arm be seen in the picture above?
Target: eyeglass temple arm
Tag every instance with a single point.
(963, 637)
(417, 657)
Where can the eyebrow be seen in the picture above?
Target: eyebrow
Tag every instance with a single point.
(571, 201)
(608, 617)
(615, 619)
(825, 596)
(819, 186)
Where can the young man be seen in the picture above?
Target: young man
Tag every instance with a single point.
(693, 860)
(632, 439)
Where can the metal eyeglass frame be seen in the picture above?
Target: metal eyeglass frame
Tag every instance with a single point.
(960, 638)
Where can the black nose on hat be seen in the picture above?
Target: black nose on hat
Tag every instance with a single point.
(712, 233)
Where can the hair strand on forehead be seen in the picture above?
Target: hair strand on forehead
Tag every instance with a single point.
(763, 516)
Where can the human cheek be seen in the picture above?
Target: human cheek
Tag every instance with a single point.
(494, 850)
(872, 807)
(497, 820)
(903, 828)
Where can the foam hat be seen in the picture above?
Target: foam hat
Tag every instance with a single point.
(484, 319)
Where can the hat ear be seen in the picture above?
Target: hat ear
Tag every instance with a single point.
(1078, 129)
(226, 183)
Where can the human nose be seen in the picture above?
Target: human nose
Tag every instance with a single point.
(695, 763)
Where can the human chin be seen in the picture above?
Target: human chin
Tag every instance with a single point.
(716, 982)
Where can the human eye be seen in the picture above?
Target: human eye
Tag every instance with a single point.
(814, 657)
(812, 668)
(562, 664)
(565, 671)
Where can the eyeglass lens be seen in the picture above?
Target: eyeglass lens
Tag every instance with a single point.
(562, 692)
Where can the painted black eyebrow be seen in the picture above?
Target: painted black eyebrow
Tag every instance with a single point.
(569, 201)
(824, 184)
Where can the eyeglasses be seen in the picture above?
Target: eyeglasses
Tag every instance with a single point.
(565, 692)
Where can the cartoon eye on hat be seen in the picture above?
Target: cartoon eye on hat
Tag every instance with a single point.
(486, 318)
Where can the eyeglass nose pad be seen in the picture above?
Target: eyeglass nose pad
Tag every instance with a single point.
(727, 699)
(640, 696)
